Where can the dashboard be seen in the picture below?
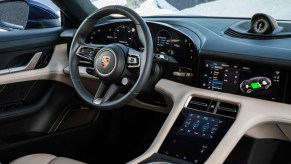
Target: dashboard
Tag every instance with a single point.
(202, 55)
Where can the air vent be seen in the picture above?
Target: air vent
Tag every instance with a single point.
(232, 33)
(199, 103)
(227, 109)
(213, 106)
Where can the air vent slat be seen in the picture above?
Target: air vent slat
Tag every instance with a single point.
(227, 109)
(199, 103)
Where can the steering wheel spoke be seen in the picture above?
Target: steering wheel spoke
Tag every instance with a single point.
(134, 58)
(107, 94)
(88, 51)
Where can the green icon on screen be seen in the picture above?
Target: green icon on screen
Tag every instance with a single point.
(255, 84)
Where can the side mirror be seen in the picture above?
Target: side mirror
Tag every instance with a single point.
(13, 14)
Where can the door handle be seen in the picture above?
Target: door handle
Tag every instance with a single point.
(29, 66)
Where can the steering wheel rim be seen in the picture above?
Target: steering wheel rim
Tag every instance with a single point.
(145, 58)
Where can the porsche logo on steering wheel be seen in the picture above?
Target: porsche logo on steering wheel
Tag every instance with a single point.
(105, 61)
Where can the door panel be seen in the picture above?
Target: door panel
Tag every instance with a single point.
(38, 107)
(61, 126)
(22, 51)
(61, 102)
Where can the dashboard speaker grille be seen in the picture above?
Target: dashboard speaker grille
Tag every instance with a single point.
(232, 33)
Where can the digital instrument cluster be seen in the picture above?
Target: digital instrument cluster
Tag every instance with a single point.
(263, 83)
(167, 40)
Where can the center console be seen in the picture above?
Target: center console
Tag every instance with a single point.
(197, 131)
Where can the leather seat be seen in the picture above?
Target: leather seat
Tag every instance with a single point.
(44, 159)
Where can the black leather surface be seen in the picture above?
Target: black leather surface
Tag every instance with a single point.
(28, 39)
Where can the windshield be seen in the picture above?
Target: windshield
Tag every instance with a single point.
(279, 9)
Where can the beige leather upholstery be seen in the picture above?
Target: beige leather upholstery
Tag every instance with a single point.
(44, 159)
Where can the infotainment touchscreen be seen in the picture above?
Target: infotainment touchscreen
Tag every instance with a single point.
(258, 82)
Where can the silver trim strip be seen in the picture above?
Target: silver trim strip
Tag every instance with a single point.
(4, 71)
(187, 101)
(31, 64)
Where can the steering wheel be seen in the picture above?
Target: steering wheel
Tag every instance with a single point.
(116, 65)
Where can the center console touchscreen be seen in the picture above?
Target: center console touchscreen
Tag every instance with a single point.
(195, 135)
(258, 82)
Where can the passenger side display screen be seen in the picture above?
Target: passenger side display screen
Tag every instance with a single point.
(263, 83)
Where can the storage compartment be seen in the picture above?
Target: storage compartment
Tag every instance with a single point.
(77, 118)
(17, 95)
(254, 151)
(267, 143)
(77, 115)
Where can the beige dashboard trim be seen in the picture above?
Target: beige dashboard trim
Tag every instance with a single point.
(253, 112)
(267, 131)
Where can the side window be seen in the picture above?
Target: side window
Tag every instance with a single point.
(28, 14)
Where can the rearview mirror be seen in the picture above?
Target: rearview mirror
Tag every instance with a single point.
(13, 14)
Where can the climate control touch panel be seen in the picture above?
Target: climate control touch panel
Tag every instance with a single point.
(197, 131)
